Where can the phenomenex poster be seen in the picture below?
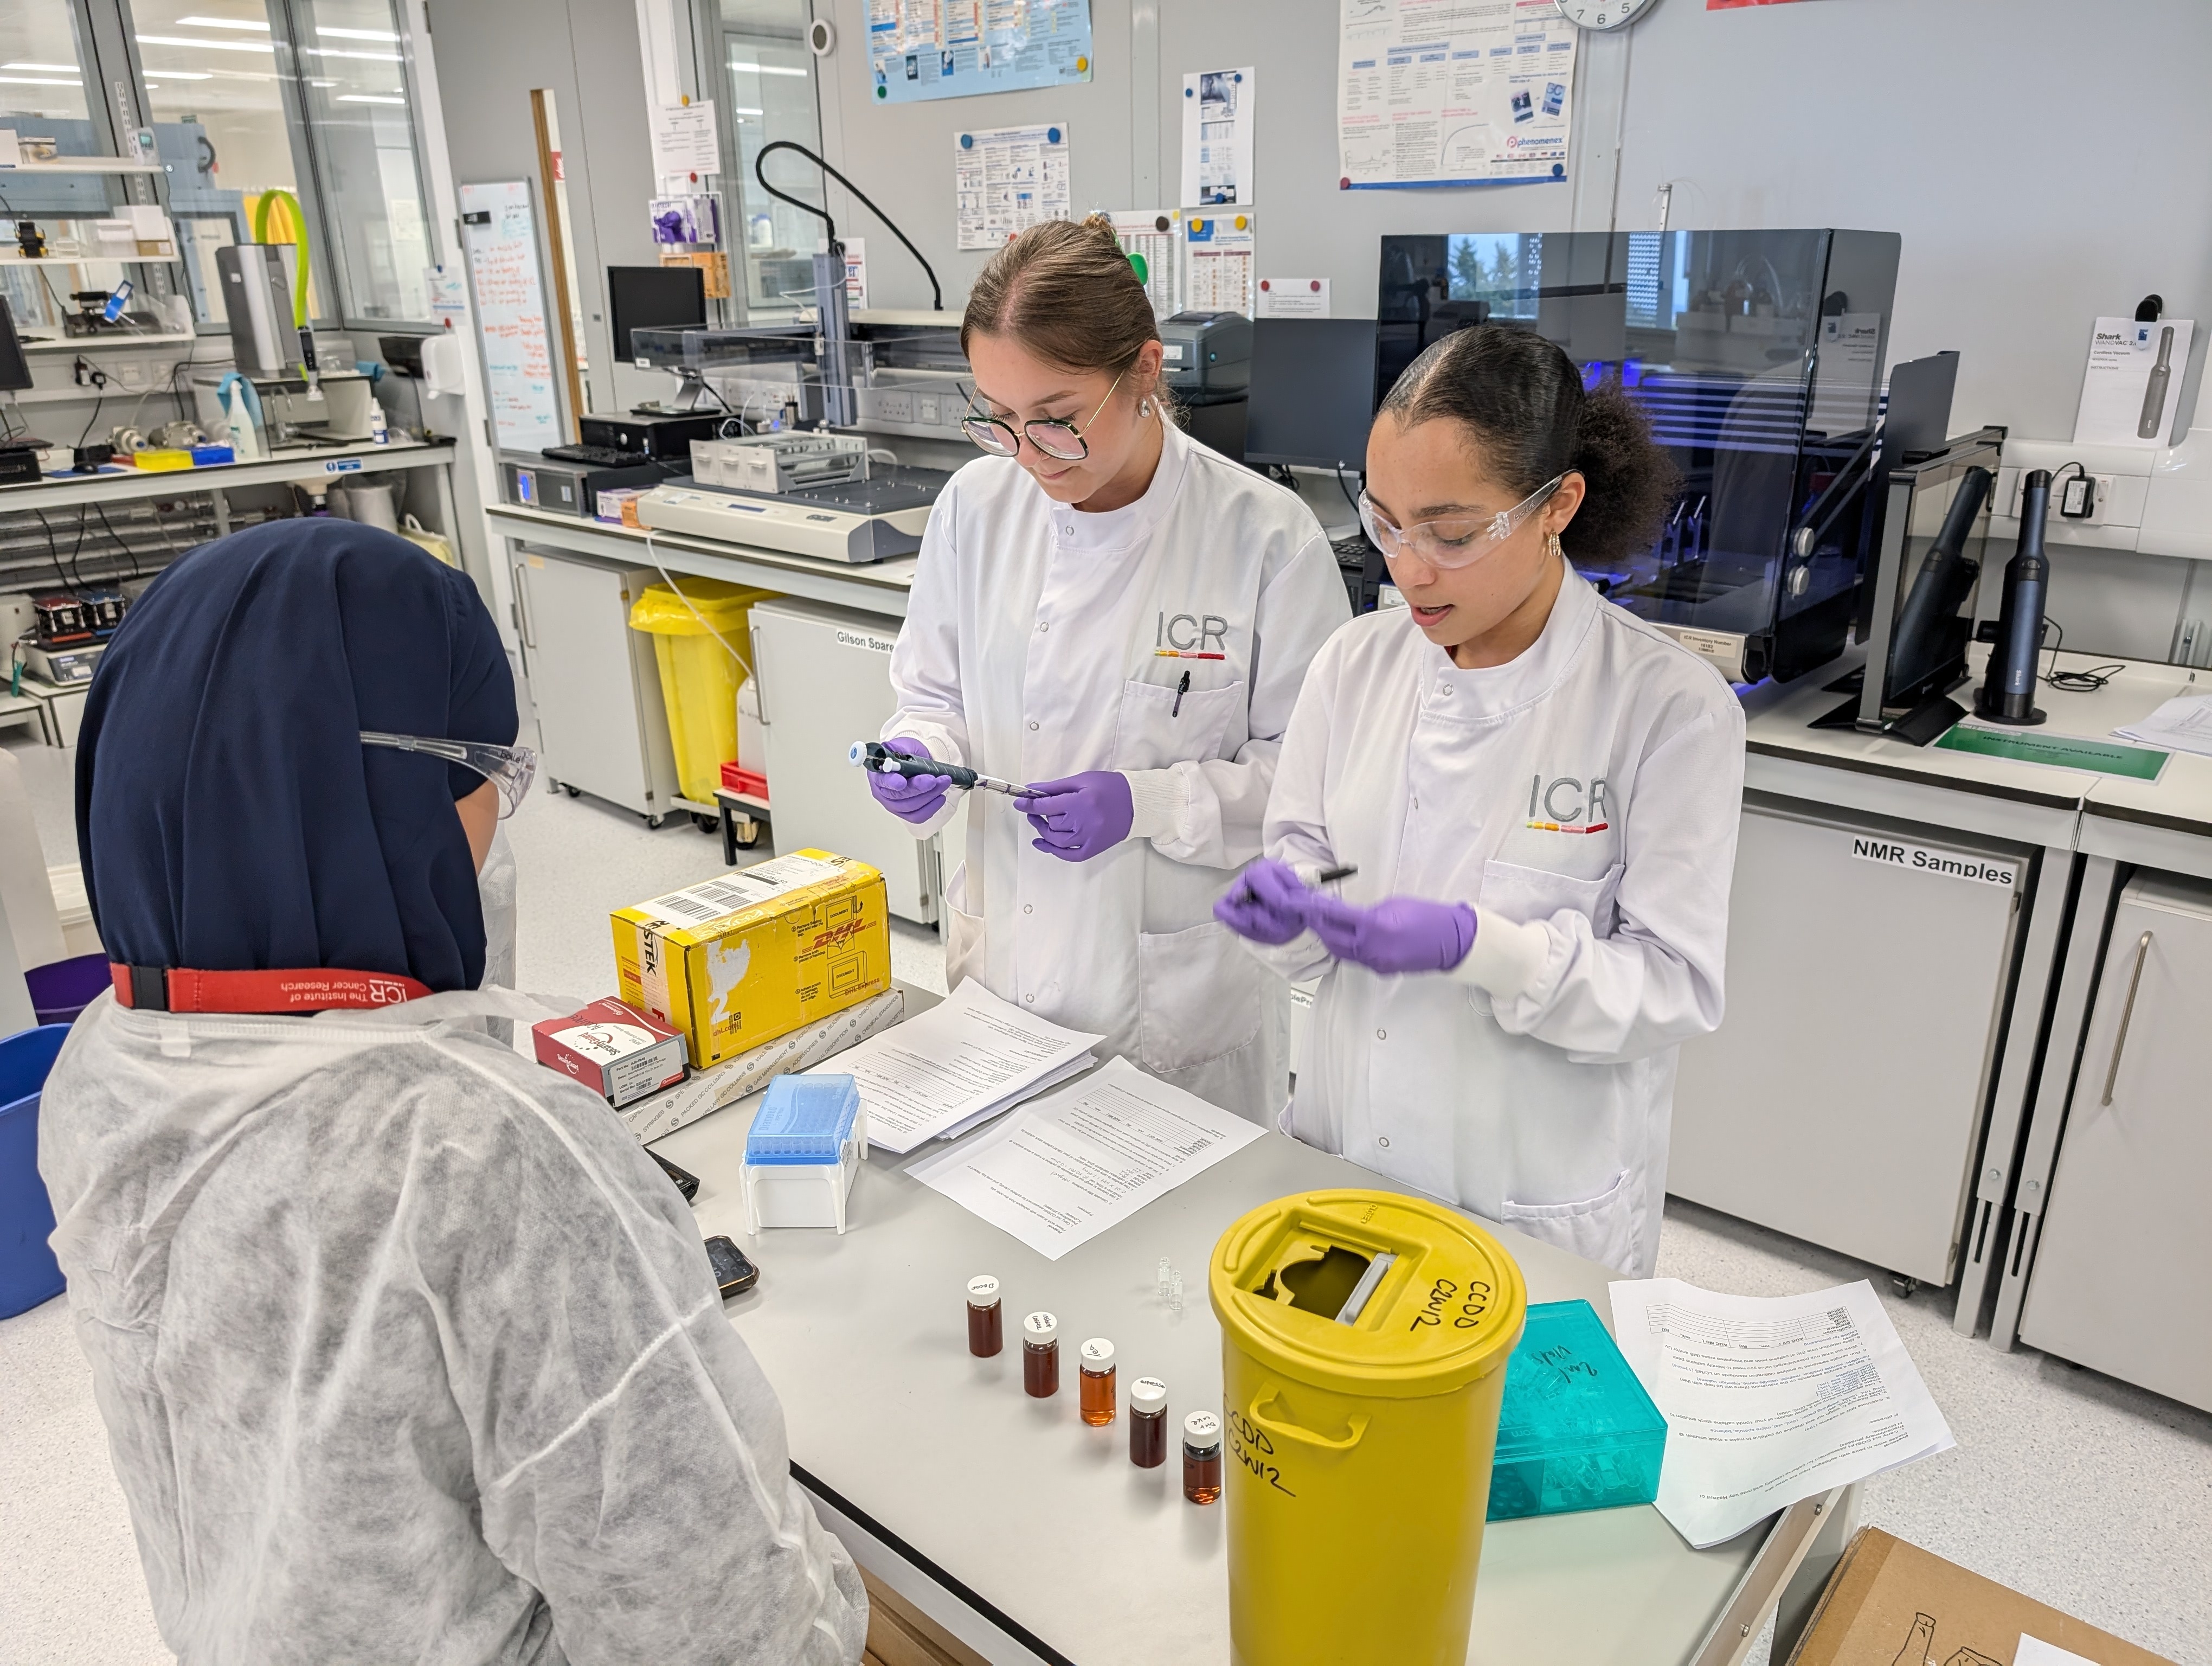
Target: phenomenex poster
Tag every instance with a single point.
(950, 49)
(1453, 92)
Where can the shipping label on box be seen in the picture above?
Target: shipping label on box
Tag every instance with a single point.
(753, 955)
(618, 1052)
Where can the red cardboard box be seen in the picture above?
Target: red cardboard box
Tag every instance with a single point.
(618, 1052)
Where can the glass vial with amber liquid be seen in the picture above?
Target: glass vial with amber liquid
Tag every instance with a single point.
(1148, 1422)
(1041, 1356)
(987, 1328)
(1094, 1383)
(1201, 1457)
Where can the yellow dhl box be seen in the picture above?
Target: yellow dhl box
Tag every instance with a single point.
(740, 960)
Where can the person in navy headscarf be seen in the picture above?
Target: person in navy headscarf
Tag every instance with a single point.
(405, 1349)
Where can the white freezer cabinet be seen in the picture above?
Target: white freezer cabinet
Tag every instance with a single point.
(1843, 1099)
(825, 682)
(2120, 1267)
(603, 728)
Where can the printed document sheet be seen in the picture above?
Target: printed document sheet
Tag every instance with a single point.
(1062, 1169)
(1769, 1400)
(2182, 724)
(972, 1054)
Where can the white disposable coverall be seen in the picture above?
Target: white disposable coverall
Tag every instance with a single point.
(1584, 799)
(408, 1351)
(1033, 649)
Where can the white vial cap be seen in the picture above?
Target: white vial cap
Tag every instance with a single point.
(1097, 1354)
(1148, 1394)
(1041, 1328)
(982, 1291)
(1202, 1429)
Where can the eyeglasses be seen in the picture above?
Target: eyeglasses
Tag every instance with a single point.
(1451, 541)
(510, 768)
(1057, 437)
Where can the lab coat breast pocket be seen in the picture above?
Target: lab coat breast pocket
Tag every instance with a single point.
(1530, 896)
(1604, 1229)
(1198, 996)
(1152, 731)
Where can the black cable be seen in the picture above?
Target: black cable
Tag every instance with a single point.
(1346, 490)
(760, 164)
(90, 421)
(53, 549)
(125, 548)
(2076, 682)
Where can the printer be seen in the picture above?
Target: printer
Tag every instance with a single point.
(1209, 356)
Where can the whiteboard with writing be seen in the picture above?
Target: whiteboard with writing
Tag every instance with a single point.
(499, 229)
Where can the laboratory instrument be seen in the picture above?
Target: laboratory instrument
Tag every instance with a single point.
(1577, 1430)
(987, 1329)
(1201, 1457)
(806, 1146)
(1148, 1423)
(856, 522)
(773, 465)
(542, 480)
(1041, 1356)
(874, 755)
(734, 1274)
(2008, 691)
(257, 299)
(1094, 1382)
(1758, 356)
(1380, 1419)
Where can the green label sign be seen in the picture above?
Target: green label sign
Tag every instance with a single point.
(2060, 752)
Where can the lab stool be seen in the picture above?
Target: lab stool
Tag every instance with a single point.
(29, 1274)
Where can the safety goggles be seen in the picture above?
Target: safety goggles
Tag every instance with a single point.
(1058, 437)
(510, 768)
(1451, 541)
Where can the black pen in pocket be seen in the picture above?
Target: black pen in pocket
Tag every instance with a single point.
(1181, 689)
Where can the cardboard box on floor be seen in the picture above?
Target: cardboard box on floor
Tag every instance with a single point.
(1891, 1603)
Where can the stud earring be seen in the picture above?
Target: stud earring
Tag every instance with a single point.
(1144, 407)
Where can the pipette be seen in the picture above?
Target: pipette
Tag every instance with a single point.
(874, 755)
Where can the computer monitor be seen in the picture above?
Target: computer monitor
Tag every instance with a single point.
(1313, 392)
(14, 367)
(654, 298)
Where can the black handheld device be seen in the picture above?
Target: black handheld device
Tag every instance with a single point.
(686, 1182)
(732, 1271)
(2007, 692)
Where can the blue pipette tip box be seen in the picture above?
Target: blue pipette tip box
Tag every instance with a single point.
(1577, 1430)
(805, 1121)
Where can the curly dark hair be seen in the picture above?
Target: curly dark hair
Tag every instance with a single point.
(1521, 400)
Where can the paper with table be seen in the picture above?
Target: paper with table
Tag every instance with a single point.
(2182, 724)
(1063, 1169)
(1456, 94)
(1005, 179)
(960, 1063)
(1770, 1399)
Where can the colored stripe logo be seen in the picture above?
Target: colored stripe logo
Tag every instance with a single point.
(1554, 827)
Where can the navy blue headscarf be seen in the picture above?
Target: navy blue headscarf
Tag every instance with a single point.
(230, 818)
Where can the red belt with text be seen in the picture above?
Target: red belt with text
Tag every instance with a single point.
(305, 989)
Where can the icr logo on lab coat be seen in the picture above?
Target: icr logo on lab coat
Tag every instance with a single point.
(1567, 805)
(1204, 632)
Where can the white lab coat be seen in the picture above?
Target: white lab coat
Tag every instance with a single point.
(1533, 1084)
(408, 1351)
(1031, 651)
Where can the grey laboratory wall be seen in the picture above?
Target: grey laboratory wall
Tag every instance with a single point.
(2045, 161)
(490, 54)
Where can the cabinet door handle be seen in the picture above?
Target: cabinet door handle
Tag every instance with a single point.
(2127, 1012)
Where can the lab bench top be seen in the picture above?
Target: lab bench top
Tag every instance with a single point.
(1041, 1524)
(880, 587)
(123, 482)
(2003, 797)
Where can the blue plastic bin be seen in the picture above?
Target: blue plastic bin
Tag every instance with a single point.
(1577, 1430)
(29, 1274)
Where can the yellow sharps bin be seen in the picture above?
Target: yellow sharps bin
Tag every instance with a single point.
(1364, 1337)
(701, 642)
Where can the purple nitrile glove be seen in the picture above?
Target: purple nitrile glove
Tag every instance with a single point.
(1267, 903)
(1397, 934)
(1079, 817)
(912, 799)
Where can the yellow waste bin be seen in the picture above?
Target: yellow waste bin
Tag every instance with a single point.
(1364, 1337)
(704, 651)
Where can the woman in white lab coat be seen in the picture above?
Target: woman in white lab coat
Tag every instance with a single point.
(1119, 619)
(1540, 793)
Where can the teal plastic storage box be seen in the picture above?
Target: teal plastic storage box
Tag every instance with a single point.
(1577, 1430)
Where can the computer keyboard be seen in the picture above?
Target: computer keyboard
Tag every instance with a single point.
(596, 456)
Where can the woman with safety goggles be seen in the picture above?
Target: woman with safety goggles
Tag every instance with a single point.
(1119, 619)
(1539, 793)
